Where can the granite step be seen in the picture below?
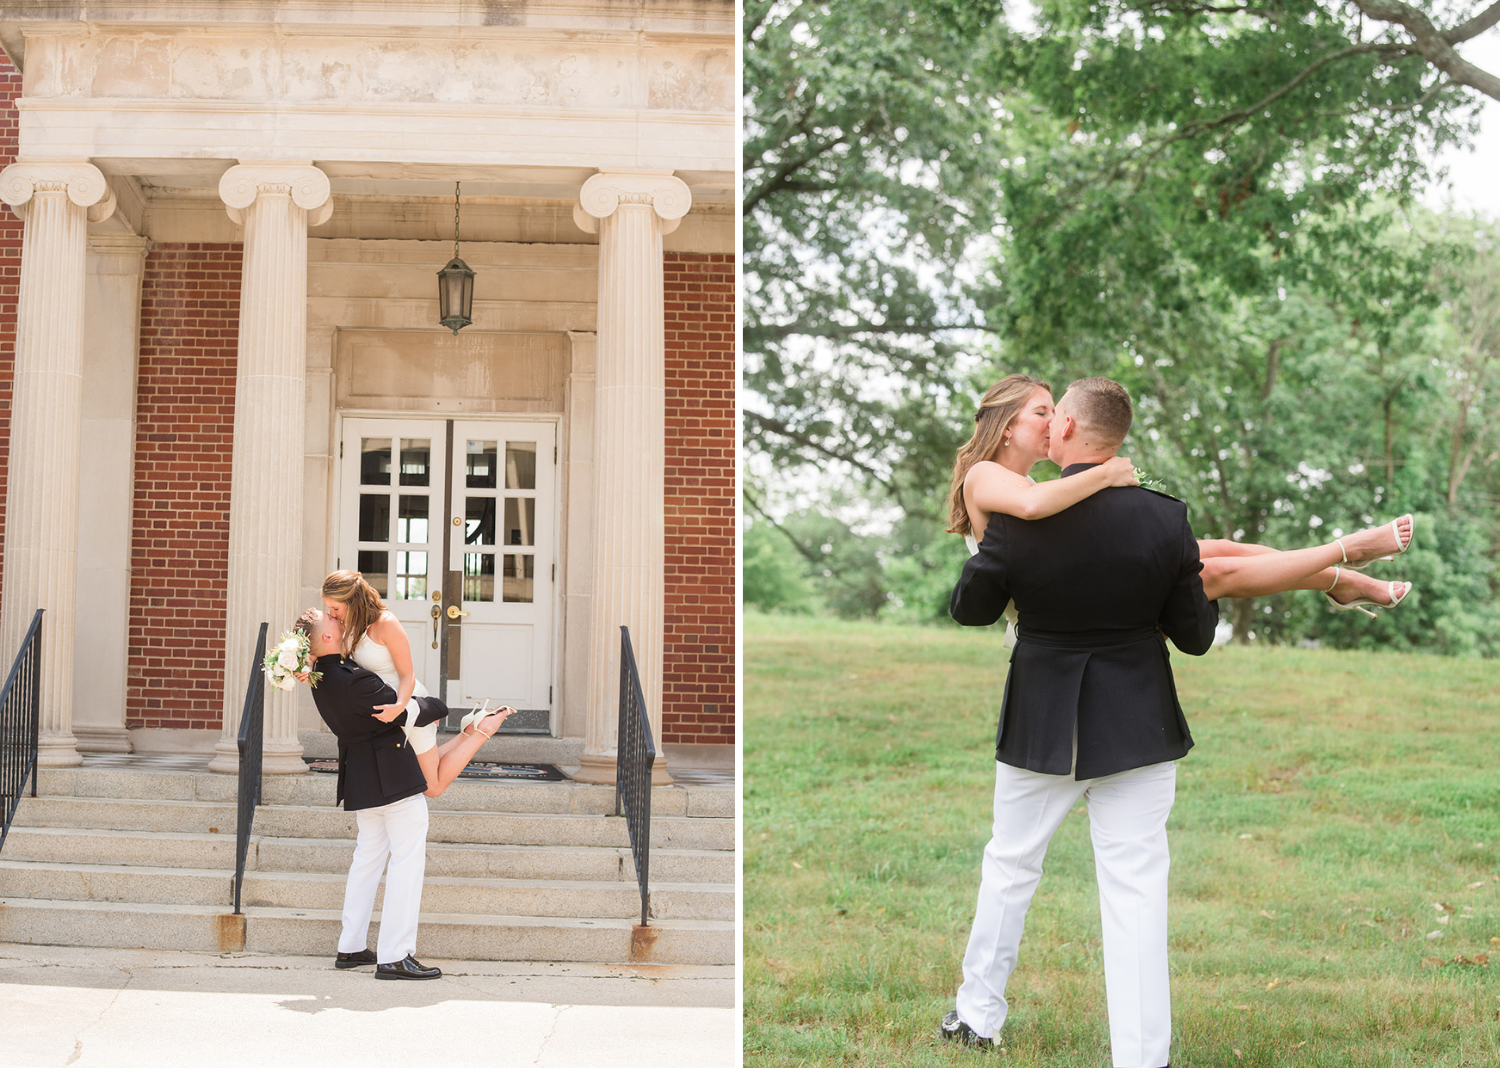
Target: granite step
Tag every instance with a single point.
(312, 932)
(175, 849)
(592, 863)
(313, 821)
(313, 890)
(464, 795)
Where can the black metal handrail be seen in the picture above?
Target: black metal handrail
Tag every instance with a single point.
(635, 753)
(20, 724)
(252, 744)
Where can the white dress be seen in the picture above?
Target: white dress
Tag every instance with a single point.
(372, 656)
(1011, 617)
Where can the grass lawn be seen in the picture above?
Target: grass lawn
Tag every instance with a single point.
(1335, 848)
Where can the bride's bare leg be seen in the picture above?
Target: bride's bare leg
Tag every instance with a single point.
(1231, 569)
(442, 764)
(1269, 571)
(1208, 547)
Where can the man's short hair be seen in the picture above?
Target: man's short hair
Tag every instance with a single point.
(308, 621)
(1103, 406)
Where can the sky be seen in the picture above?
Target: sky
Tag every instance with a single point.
(1475, 175)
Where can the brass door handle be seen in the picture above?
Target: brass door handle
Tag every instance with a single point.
(454, 613)
(437, 614)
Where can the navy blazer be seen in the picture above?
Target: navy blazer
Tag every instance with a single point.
(376, 766)
(1098, 588)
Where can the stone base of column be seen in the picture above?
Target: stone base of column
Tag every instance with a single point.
(57, 751)
(599, 769)
(102, 739)
(276, 759)
(283, 758)
(226, 759)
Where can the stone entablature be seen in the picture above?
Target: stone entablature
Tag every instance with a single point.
(539, 85)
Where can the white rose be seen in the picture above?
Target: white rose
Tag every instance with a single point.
(290, 645)
(287, 658)
(286, 684)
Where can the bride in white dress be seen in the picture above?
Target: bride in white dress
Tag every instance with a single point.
(375, 640)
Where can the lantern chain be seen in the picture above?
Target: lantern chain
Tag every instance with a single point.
(455, 220)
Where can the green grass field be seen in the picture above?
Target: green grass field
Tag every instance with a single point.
(1335, 848)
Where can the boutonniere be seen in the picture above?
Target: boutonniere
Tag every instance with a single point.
(1145, 481)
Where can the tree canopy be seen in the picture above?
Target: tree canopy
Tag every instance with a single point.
(1212, 203)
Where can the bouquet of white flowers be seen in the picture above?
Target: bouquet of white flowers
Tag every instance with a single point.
(293, 656)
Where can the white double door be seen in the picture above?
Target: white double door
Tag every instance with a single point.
(453, 521)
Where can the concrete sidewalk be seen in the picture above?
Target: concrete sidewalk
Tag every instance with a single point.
(65, 1007)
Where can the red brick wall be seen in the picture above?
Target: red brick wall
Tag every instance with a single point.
(190, 306)
(698, 667)
(10, 272)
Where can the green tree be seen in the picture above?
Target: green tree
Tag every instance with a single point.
(772, 575)
(1209, 203)
(871, 166)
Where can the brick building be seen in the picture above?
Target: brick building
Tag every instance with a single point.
(223, 373)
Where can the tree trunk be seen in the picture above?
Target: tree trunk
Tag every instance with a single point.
(1243, 618)
(1390, 455)
(1273, 365)
(1455, 453)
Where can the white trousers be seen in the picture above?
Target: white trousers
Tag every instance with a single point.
(1128, 823)
(396, 832)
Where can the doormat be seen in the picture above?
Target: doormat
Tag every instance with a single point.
(477, 769)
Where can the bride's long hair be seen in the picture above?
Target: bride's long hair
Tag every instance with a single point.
(999, 407)
(350, 589)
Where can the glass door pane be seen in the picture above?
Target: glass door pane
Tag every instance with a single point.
(390, 522)
(413, 509)
(505, 499)
(479, 521)
(373, 557)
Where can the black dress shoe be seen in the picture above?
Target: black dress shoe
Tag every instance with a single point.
(354, 960)
(410, 968)
(955, 1030)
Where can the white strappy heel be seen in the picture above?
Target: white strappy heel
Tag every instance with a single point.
(1403, 545)
(504, 712)
(474, 716)
(1359, 602)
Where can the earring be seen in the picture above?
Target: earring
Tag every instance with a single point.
(1005, 443)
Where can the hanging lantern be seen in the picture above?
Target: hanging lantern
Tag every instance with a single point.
(455, 284)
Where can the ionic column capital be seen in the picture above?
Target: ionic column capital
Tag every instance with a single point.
(308, 187)
(603, 194)
(84, 183)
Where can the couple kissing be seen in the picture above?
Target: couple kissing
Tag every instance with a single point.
(389, 763)
(1096, 575)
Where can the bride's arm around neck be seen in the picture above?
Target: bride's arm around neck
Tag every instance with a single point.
(989, 488)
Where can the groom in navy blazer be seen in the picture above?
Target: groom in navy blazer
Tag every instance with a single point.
(376, 766)
(381, 782)
(1090, 713)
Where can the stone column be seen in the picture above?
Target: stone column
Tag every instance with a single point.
(630, 210)
(319, 457)
(57, 200)
(276, 203)
(112, 301)
(577, 573)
